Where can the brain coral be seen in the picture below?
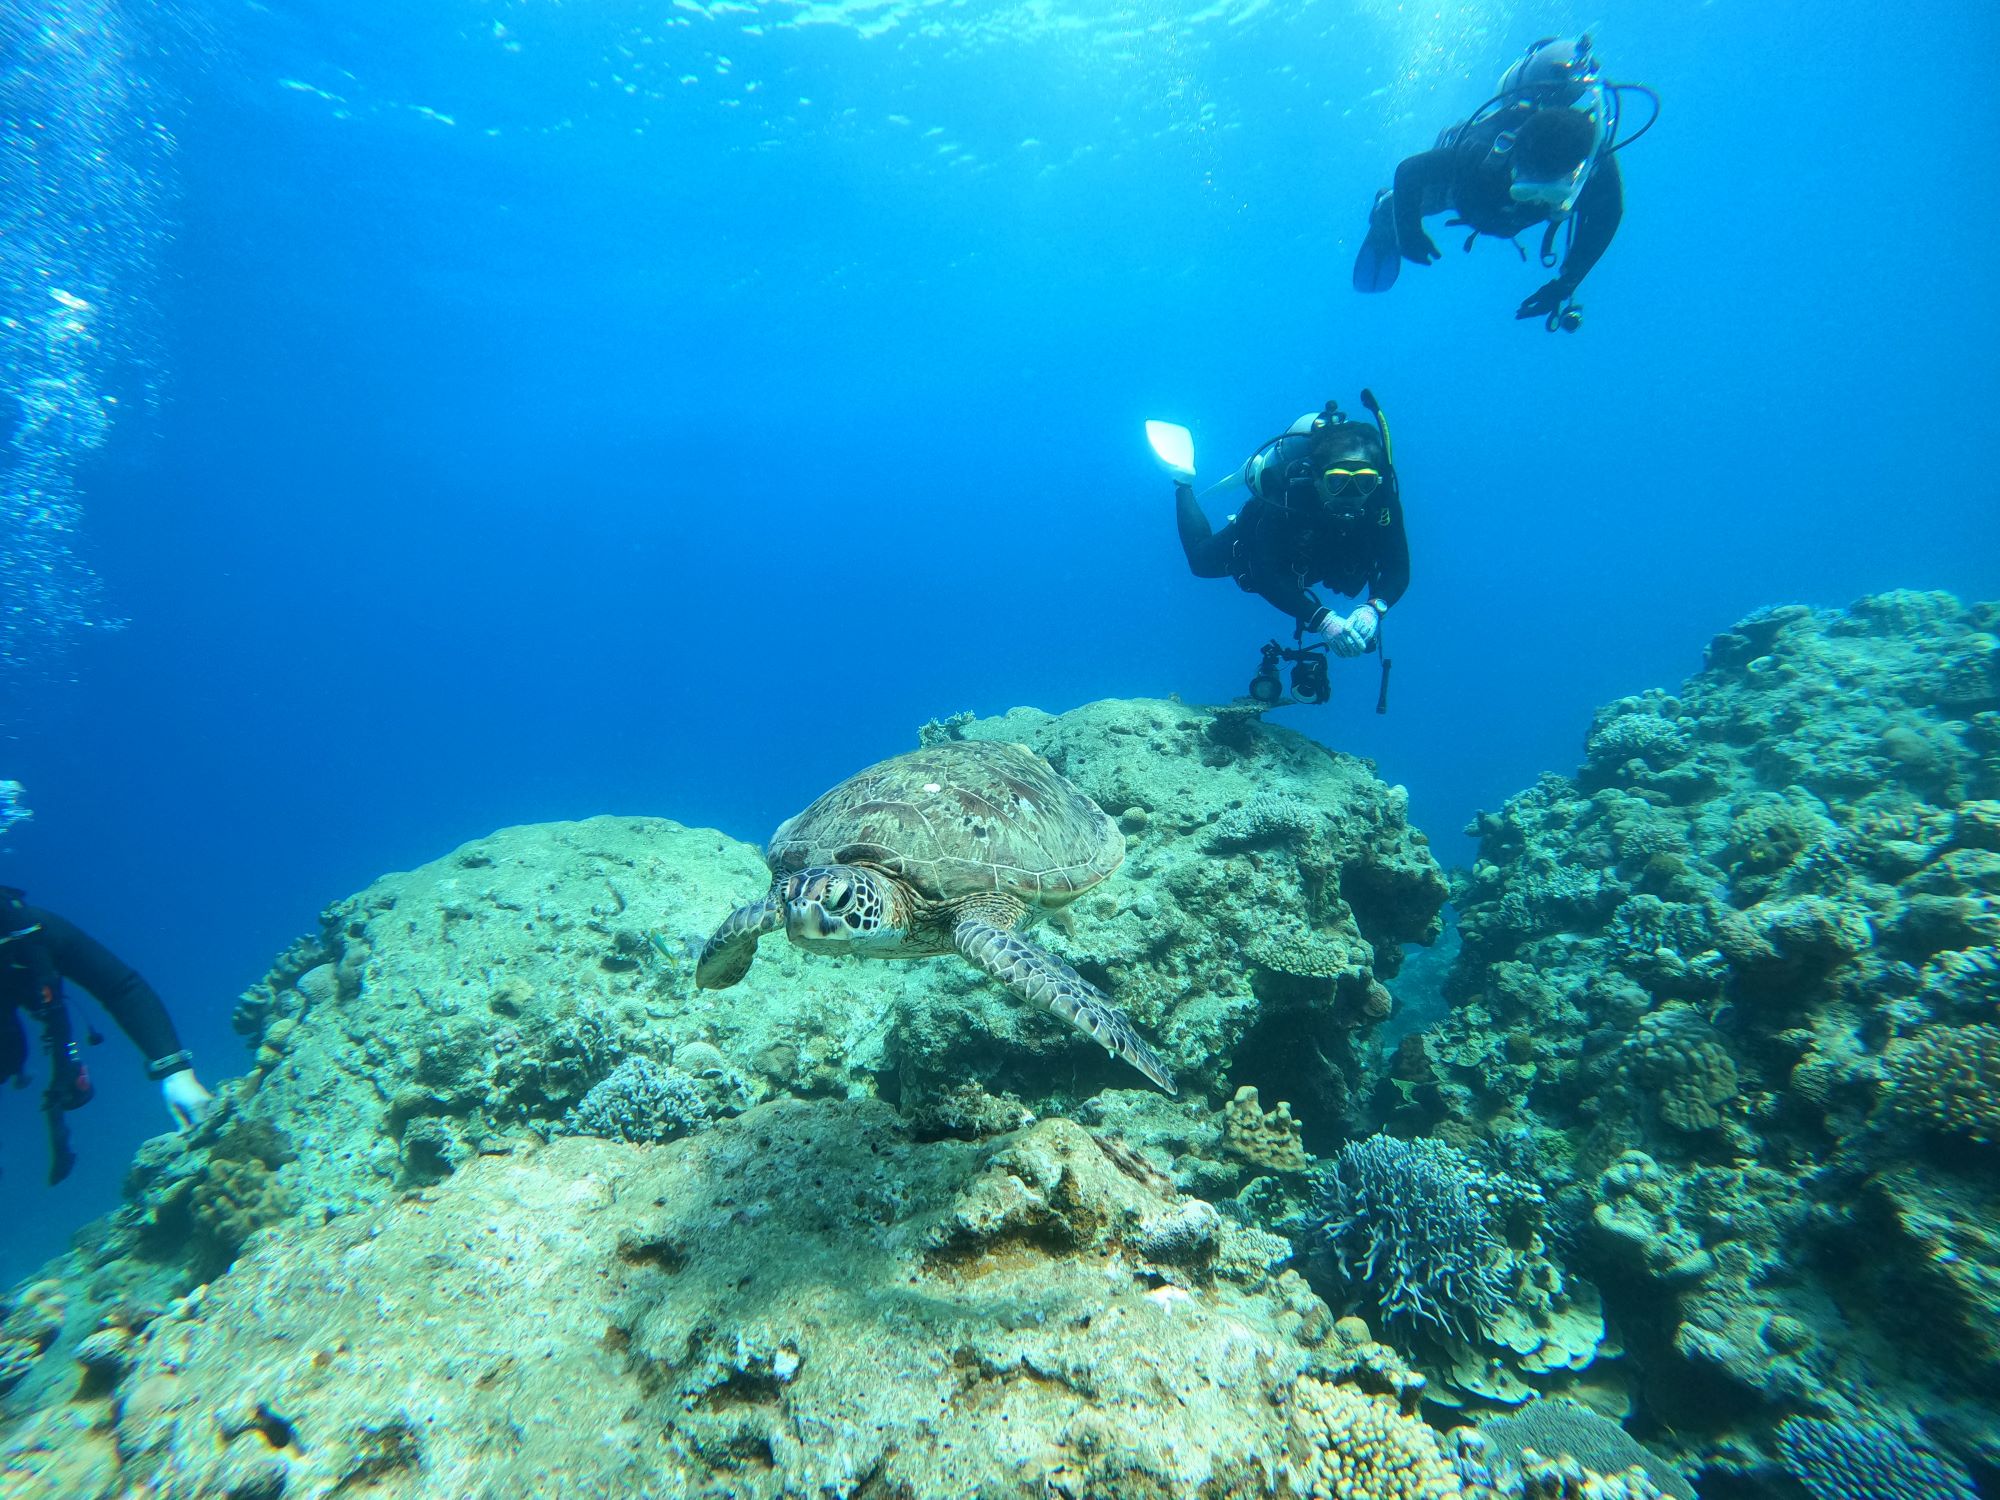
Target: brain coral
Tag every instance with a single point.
(1947, 1079)
(1677, 1058)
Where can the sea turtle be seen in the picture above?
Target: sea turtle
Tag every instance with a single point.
(951, 847)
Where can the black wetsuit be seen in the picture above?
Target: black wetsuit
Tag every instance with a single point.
(1467, 178)
(38, 961)
(1279, 549)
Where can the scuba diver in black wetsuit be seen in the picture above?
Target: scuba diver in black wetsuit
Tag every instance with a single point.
(1540, 151)
(1324, 508)
(38, 951)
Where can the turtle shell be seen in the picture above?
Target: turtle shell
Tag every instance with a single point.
(956, 819)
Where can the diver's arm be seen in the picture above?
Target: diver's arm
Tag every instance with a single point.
(1599, 208)
(1209, 552)
(115, 985)
(1420, 179)
(1391, 574)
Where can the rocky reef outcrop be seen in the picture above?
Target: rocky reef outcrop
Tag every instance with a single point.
(1728, 994)
(538, 983)
(803, 1300)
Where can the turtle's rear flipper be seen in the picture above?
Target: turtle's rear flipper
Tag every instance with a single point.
(725, 957)
(1040, 978)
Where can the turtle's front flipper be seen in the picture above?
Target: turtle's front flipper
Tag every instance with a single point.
(725, 957)
(1040, 978)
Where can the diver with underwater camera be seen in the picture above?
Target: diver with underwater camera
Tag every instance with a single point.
(1324, 508)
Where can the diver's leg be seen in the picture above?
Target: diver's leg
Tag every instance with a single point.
(1380, 258)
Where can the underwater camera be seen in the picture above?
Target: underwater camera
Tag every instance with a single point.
(1309, 682)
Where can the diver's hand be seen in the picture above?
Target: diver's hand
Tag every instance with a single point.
(1355, 634)
(187, 1100)
(1548, 300)
(1421, 249)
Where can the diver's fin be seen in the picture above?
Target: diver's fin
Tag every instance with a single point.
(1381, 259)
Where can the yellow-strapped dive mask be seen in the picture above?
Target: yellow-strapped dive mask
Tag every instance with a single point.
(1360, 482)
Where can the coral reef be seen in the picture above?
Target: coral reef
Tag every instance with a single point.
(1866, 1461)
(539, 980)
(640, 1101)
(1557, 1427)
(1729, 995)
(1271, 1139)
(1447, 1255)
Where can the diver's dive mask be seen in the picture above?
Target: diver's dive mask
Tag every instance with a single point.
(1557, 194)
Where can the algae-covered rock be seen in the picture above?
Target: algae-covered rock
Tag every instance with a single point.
(800, 1301)
(1269, 887)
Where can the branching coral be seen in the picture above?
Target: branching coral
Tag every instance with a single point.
(640, 1101)
(1413, 1223)
(1840, 1460)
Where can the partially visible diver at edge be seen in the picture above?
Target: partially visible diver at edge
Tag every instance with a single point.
(1325, 507)
(1542, 150)
(38, 951)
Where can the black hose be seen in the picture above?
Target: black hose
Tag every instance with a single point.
(1651, 97)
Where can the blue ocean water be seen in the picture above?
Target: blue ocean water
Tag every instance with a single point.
(490, 412)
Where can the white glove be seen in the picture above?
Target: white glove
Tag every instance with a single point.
(1353, 635)
(187, 1100)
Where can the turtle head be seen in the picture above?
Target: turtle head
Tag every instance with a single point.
(842, 909)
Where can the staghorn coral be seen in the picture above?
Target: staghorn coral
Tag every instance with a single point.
(1946, 1080)
(640, 1101)
(1842, 1460)
(1409, 1223)
(1356, 1446)
(1269, 1138)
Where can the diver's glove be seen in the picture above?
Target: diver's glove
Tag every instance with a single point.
(1421, 248)
(1548, 300)
(1353, 635)
(187, 1100)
